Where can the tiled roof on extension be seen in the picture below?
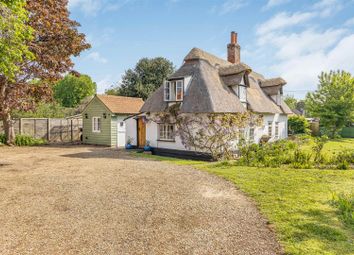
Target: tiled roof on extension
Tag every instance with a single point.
(121, 105)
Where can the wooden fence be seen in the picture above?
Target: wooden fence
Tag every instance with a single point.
(52, 130)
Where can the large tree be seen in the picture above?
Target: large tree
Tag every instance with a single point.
(333, 101)
(14, 34)
(144, 79)
(55, 40)
(71, 90)
(291, 101)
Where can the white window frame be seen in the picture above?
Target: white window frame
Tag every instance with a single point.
(179, 85)
(164, 134)
(239, 93)
(270, 128)
(251, 136)
(96, 128)
(277, 130)
(173, 86)
(167, 88)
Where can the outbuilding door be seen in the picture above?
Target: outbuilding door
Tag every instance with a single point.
(141, 133)
(121, 133)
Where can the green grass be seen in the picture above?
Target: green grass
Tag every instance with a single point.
(298, 203)
(333, 146)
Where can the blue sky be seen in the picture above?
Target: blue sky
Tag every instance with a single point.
(294, 39)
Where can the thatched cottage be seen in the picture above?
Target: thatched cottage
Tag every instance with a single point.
(208, 84)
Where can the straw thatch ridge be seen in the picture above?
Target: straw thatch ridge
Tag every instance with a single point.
(197, 54)
(273, 82)
(234, 69)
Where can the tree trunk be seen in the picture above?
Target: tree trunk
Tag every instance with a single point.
(9, 129)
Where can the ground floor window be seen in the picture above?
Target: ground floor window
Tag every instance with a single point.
(96, 124)
(270, 128)
(277, 130)
(251, 135)
(167, 132)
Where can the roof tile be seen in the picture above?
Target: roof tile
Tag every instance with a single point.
(120, 104)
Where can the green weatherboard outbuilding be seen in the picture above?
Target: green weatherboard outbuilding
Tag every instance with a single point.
(104, 120)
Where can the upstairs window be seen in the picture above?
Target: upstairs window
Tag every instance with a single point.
(174, 90)
(278, 98)
(242, 94)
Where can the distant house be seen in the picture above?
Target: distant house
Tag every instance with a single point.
(208, 84)
(104, 120)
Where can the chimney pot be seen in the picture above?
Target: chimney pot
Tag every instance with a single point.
(233, 37)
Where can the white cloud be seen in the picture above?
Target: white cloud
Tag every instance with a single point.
(89, 7)
(300, 63)
(96, 56)
(104, 84)
(273, 3)
(294, 46)
(328, 7)
(349, 22)
(92, 7)
(302, 72)
(305, 42)
(230, 6)
(284, 20)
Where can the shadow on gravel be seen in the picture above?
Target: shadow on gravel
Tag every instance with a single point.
(103, 152)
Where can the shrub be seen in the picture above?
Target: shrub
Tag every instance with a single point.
(267, 155)
(301, 159)
(343, 160)
(298, 125)
(25, 140)
(318, 147)
(2, 139)
(345, 205)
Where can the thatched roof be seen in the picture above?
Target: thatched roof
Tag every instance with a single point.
(207, 90)
(234, 69)
(121, 105)
(273, 82)
(197, 54)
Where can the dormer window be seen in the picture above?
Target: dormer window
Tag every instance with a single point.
(242, 92)
(278, 97)
(174, 90)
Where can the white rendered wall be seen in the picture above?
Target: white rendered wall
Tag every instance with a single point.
(152, 132)
(131, 130)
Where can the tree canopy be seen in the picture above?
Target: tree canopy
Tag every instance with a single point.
(55, 40)
(291, 101)
(295, 104)
(333, 101)
(14, 33)
(71, 90)
(144, 79)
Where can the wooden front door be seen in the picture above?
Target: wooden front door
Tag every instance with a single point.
(141, 133)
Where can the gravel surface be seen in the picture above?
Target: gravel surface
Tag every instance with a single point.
(93, 200)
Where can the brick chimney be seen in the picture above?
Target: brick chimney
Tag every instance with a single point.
(234, 50)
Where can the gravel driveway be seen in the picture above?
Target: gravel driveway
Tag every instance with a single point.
(93, 200)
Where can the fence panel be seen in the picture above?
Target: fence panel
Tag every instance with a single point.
(52, 130)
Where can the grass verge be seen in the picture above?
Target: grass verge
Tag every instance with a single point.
(297, 202)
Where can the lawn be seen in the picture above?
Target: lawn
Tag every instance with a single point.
(297, 203)
(334, 146)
